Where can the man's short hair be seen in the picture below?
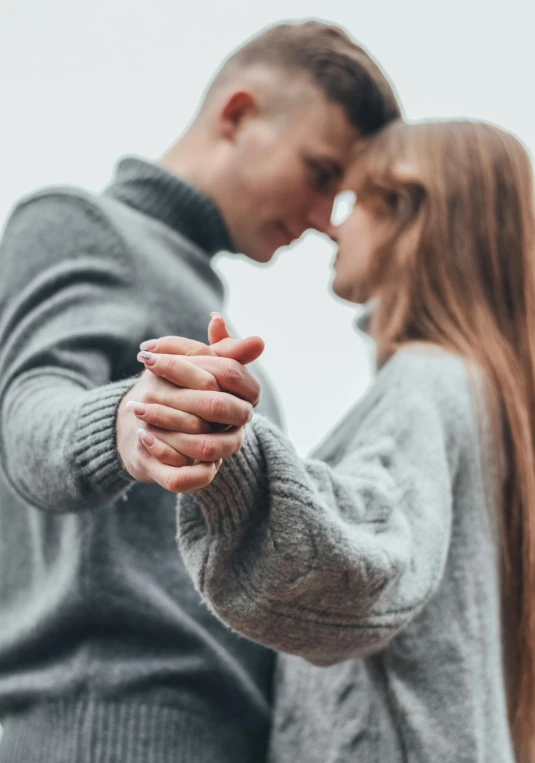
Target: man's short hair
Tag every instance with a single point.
(334, 63)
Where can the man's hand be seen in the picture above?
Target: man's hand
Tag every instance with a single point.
(188, 389)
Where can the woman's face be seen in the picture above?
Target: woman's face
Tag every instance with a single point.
(364, 231)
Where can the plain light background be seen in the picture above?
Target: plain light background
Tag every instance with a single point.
(82, 84)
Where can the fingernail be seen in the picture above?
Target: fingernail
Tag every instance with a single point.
(139, 408)
(145, 437)
(150, 344)
(218, 464)
(217, 315)
(250, 416)
(147, 357)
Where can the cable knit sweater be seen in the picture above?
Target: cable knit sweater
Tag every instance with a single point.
(373, 568)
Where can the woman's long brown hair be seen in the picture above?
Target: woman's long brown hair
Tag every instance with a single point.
(459, 271)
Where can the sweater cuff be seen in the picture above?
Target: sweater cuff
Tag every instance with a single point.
(241, 484)
(95, 450)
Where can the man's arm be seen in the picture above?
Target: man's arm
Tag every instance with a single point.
(67, 322)
(71, 314)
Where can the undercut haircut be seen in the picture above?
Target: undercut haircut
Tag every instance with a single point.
(340, 68)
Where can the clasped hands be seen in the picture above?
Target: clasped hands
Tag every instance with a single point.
(189, 408)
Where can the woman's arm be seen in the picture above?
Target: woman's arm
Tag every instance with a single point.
(325, 563)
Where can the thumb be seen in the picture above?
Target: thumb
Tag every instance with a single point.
(242, 350)
(217, 328)
(221, 342)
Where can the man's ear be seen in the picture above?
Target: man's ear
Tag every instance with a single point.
(239, 106)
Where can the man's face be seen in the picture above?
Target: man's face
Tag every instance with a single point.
(284, 174)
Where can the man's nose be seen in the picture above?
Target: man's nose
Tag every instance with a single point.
(319, 215)
(332, 232)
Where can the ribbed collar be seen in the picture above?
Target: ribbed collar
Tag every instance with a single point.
(155, 191)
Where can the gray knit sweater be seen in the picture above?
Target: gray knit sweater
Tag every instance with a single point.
(374, 568)
(106, 653)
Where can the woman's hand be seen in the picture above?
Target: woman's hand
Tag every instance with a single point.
(185, 408)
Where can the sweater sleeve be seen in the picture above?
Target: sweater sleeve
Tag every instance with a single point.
(67, 314)
(331, 563)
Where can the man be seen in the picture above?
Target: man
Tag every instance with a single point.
(106, 653)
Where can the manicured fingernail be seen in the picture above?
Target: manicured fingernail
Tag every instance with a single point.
(147, 357)
(218, 464)
(145, 437)
(139, 408)
(150, 344)
(250, 416)
(217, 315)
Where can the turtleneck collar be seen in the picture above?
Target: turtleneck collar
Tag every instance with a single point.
(155, 191)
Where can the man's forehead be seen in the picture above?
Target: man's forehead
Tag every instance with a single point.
(326, 128)
(332, 149)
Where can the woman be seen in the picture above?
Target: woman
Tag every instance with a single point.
(396, 571)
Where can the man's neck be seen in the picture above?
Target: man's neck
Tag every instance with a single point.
(155, 190)
(189, 159)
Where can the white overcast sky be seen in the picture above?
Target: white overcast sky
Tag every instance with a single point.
(83, 83)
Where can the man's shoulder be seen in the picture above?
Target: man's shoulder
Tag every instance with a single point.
(65, 213)
(59, 201)
(57, 223)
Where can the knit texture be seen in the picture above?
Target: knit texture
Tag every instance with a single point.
(106, 652)
(374, 568)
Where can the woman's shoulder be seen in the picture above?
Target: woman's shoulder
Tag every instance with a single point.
(423, 376)
(429, 365)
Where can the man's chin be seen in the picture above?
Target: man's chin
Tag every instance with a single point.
(262, 256)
